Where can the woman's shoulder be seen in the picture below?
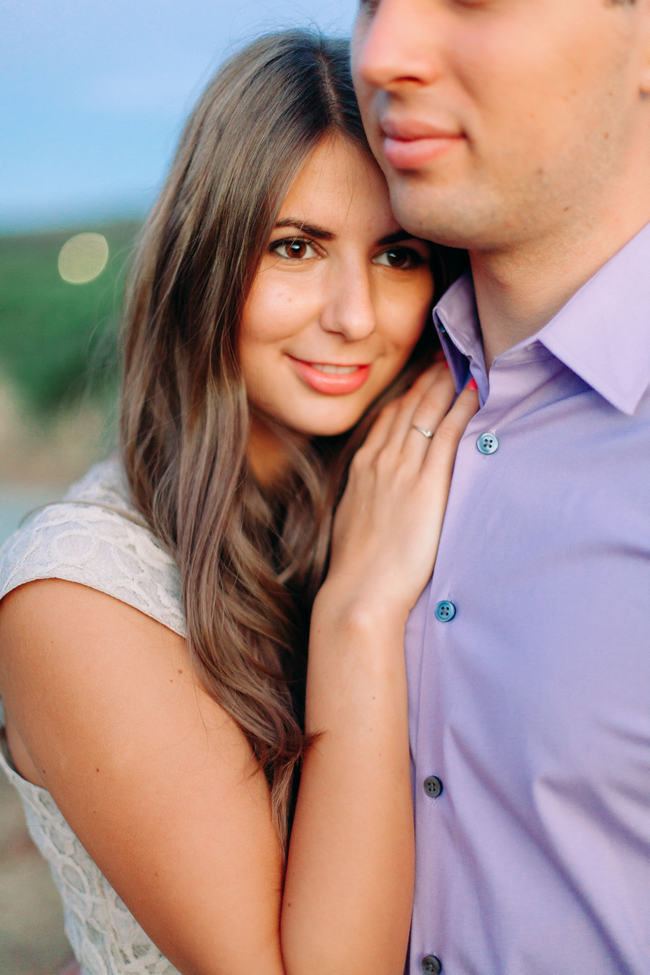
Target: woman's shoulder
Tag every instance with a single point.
(96, 537)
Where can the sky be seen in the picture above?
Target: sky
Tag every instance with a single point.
(93, 94)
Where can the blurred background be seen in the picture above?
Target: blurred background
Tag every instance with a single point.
(93, 96)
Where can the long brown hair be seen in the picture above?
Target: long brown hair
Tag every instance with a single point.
(250, 559)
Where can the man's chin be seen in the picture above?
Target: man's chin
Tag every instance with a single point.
(422, 218)
(438, 215)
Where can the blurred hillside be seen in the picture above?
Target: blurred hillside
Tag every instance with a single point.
(58, 358)
(58, 382)
(58, 362)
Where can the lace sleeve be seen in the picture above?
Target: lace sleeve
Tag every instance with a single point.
(93, 537)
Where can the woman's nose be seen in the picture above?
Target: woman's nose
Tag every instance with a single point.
(349, 307)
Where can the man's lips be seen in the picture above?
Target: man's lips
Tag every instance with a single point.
(331, 378)
(396, 128)
(409, 144)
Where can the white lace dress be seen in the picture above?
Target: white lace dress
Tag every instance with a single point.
(89, 538)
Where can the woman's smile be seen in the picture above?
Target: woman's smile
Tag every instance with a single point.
(330, 378)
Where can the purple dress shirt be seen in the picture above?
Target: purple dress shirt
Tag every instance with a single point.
(528, 654)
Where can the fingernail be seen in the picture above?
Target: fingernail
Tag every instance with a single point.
(472, 384)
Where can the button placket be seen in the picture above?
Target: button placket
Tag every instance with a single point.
(431, 965)
(445, 611)
(433, 786)
(487, 443)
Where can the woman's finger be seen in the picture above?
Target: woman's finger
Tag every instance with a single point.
(451, 428)
(433, 404)
(422, 414)
(391, 417)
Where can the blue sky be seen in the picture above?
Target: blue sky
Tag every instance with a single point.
(93, 94)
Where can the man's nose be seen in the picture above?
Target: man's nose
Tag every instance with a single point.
(349, 308)
(388, 46)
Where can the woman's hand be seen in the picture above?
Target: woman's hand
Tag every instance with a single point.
(388, 524)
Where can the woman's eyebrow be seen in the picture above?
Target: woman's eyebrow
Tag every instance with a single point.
(321, 234)
(306, 228)
(396, 237)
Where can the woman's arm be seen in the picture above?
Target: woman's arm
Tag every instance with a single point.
(349, 880)
(155, 779)
(159, 783)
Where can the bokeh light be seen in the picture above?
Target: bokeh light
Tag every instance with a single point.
(83, 258)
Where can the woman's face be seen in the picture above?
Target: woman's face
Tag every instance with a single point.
(339, 301)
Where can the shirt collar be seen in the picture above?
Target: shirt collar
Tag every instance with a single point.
(602, 333)
(456, 321)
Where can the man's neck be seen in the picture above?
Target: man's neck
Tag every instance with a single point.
(520, 289)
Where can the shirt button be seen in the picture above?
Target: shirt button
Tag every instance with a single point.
(488, 443)
(431, 965)
(433, 787)
(445, 611)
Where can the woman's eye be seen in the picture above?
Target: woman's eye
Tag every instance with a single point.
(367, 7)
(402, 258)
(293, 249)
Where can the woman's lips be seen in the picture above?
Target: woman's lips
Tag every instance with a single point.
(331, 378)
